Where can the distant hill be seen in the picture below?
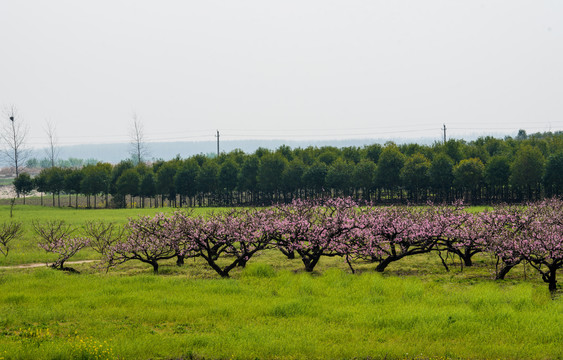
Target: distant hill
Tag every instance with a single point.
(114, 153)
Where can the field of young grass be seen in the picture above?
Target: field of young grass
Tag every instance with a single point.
(26, 251)
(67, 201)
(271, 309)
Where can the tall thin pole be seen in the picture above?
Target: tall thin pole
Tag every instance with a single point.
(16, 145)
(217, 143)
(444, 128)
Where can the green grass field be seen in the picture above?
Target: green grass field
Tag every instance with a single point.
(5, 181)
(270, 310)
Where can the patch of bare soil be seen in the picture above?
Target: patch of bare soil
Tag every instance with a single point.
(7, 191)
(36, 265)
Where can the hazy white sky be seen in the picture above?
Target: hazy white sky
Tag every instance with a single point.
(281, 69)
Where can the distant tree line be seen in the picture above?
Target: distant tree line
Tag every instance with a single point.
(44, 163)
(487, 170)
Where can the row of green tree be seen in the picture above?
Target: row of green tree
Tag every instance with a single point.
(44, 163)
(487, 170)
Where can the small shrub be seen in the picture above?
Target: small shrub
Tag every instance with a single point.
(8, 232)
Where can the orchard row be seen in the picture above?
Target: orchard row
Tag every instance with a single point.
(335, 227)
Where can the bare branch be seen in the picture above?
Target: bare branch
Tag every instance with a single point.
(57, 238)
(13, 136)
(52, 149)
(102, 235)
(8, 232)
(139, 149)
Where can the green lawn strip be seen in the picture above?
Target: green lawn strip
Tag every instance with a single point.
(276, 315)
(25, 250)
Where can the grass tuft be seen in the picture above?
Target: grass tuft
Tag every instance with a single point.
(258, 271)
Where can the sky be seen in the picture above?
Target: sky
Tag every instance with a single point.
(292, 69)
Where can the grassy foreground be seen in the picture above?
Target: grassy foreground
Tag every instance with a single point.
(271, 309)
(47, 314)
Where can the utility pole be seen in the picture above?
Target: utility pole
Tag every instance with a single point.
(15, 147)
(444, 128)
(217, 143)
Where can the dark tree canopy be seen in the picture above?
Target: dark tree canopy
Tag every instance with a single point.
(485, 171)
(553, 177)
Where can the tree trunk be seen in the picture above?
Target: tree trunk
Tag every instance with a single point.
(467, 260)
(550, 278)
(310, 262)
(383, 264)
(217, 268)
(504, 270)
(290, 254)
(180, 260)
(465, 255)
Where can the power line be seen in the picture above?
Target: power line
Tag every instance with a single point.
(277, 134)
